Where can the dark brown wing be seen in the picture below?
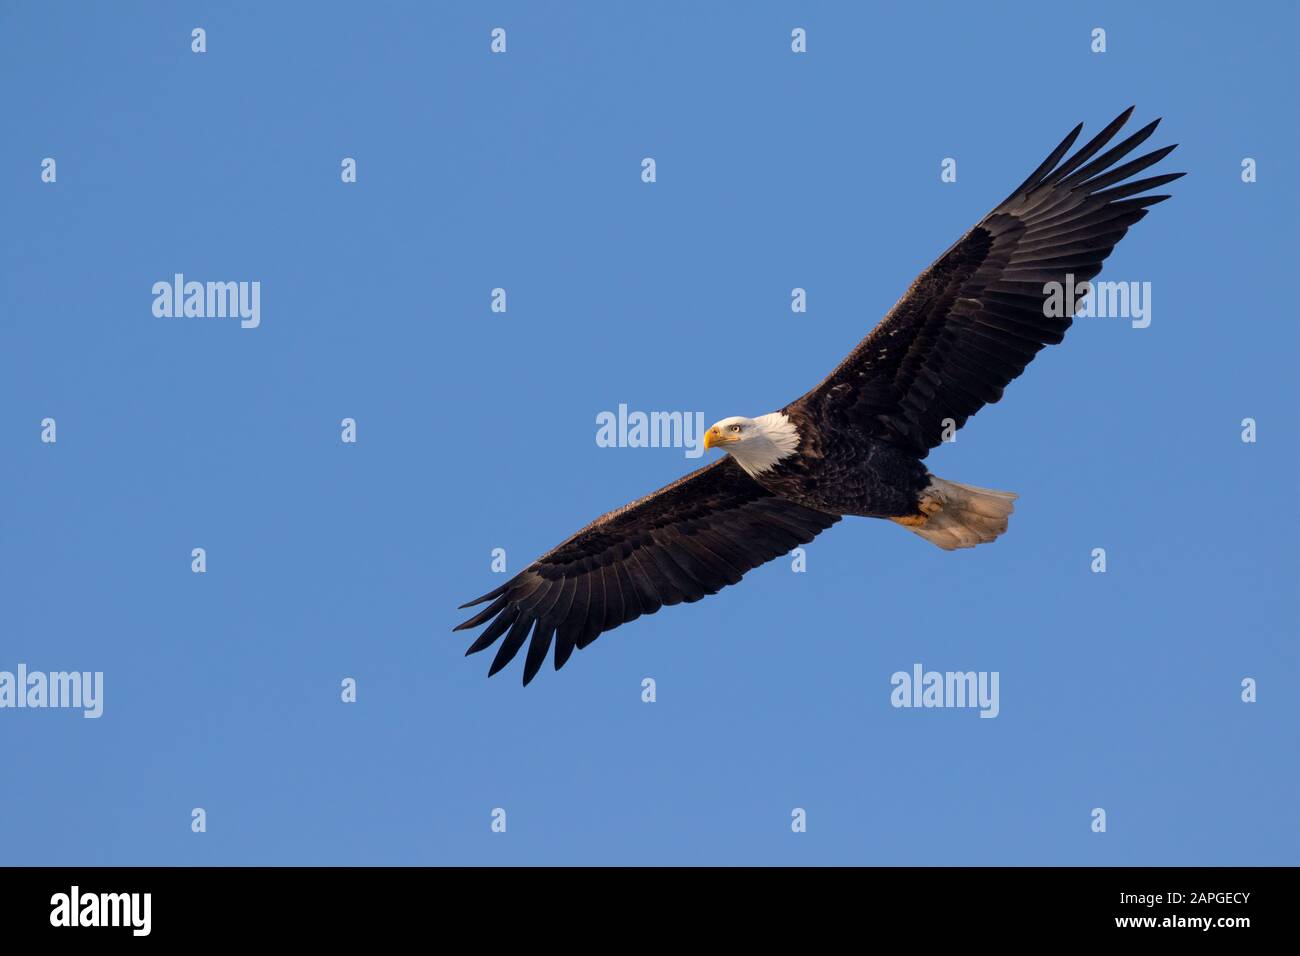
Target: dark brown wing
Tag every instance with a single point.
(687, 540)
(972, 321)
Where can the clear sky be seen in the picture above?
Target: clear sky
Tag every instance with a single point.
(476, 430)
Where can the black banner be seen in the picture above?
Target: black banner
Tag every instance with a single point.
(184, 905)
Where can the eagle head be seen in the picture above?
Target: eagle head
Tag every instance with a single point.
(729, 431)
(756, 443)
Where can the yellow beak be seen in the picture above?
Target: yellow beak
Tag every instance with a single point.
(713, 438)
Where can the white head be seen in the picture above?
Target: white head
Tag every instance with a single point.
(756, 443)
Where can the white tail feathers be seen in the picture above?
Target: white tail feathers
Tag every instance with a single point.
(960, 516)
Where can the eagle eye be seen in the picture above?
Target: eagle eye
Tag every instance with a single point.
(735, 428)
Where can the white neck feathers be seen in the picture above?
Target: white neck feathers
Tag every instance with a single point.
(777, 438)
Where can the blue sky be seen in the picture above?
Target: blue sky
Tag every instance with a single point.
(476, 431)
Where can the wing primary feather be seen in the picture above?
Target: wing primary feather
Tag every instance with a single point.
(563, 605)
(566, 639)
(1088, 150)
(546, 606)
(1118, 151)
(534, 599)
(1124, 171)
(497, 592)
(541, 643)
(513, 641)
(1137, 186)
(494, 630)
(644, 583)
(659, 582)
(567, 633)
(613, 597)
(1049, 163)
(492, 610)
(631, 597)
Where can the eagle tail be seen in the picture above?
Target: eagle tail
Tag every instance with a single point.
(954, 515)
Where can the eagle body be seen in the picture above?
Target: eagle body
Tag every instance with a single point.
(856, 444)
(843, 472)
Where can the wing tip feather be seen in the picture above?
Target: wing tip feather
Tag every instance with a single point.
(494, 593)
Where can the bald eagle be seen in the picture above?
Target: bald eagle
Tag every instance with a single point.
(856, 443)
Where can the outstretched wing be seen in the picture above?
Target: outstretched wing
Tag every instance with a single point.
(692, 538)
(972, 321)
